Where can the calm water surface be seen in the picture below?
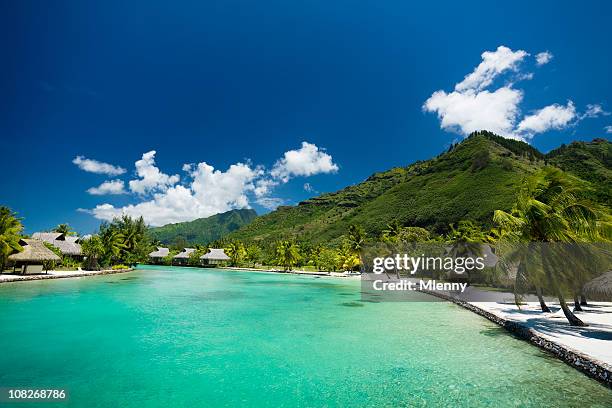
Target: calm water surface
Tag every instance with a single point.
(182, 337)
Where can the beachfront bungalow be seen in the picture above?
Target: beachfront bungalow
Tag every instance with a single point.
(157, 257)
(214, 257)
(68, 245)
(182, 258)
(33, 257)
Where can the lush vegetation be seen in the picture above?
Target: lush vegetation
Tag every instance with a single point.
(545, 236)
(591, 161)
(468, 182)
(10, 234)
(202, 230)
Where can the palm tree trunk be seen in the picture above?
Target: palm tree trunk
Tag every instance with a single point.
(583, 300)
(571, 317)
(577, 307)
(543, 305)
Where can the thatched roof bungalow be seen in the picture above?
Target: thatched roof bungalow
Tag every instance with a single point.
(214, 256)
(599, 288)
(34, 255)
(183, 257)
(157, 256)
(67, 244)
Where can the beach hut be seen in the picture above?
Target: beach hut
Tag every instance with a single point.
(68, 245)
(182, 258)
(34, 255)
(599, 288)
(158, 256)
(214, 256)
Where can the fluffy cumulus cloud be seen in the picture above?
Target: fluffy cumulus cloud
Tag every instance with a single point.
(468, 111)
(550, 117)
(108, 187)
(151, 178)
(493, 64)
(475, 104)
(543, 58)
(306, 161)
(608, 129)
(95, 166)
(208, 191)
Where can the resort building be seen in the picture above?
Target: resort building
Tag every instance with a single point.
(158, 256)
(68, 245)
(213, 257)
(33, 258)
(182, 258)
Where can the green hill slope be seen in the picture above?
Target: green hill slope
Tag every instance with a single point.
(203, 230)
(470, 181)
(591, 161)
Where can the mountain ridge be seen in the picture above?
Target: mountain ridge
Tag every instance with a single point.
(468, 181)
(203, 230)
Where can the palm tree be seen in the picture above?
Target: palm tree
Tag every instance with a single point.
(393, 232)
(356, 237)
(253, 254)
(466, 240)
(10, 229)
(236, 251)
(548, 212)
(287, 254)
(64, 229)
(112, 240)
(93, 249)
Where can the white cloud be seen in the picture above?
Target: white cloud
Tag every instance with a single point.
(306, 161)
(543, 58)
(471, 106)
(493, 64)
(264, 186)
(95, 166)
(594, 111)
(209, 191)
(108, 187)
(608, 129)
(151, 178)
(308, 187)
(466, 112)
(550, 117)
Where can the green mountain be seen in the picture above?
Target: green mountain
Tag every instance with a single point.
(469, 181)
(591, 161)
(203, 230)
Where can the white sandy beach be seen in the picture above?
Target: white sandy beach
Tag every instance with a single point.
(593, 341)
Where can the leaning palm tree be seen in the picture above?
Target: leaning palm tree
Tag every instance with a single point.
(548, 211)
(10, 229)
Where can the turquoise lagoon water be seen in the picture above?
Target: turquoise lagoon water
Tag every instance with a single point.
(183, 337)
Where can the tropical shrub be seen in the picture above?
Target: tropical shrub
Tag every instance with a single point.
(10, 229)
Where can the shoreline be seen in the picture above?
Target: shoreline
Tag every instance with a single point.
(294, 272)
(588, 365)
(9, 278)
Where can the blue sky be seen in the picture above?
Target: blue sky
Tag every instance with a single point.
(245, 83)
